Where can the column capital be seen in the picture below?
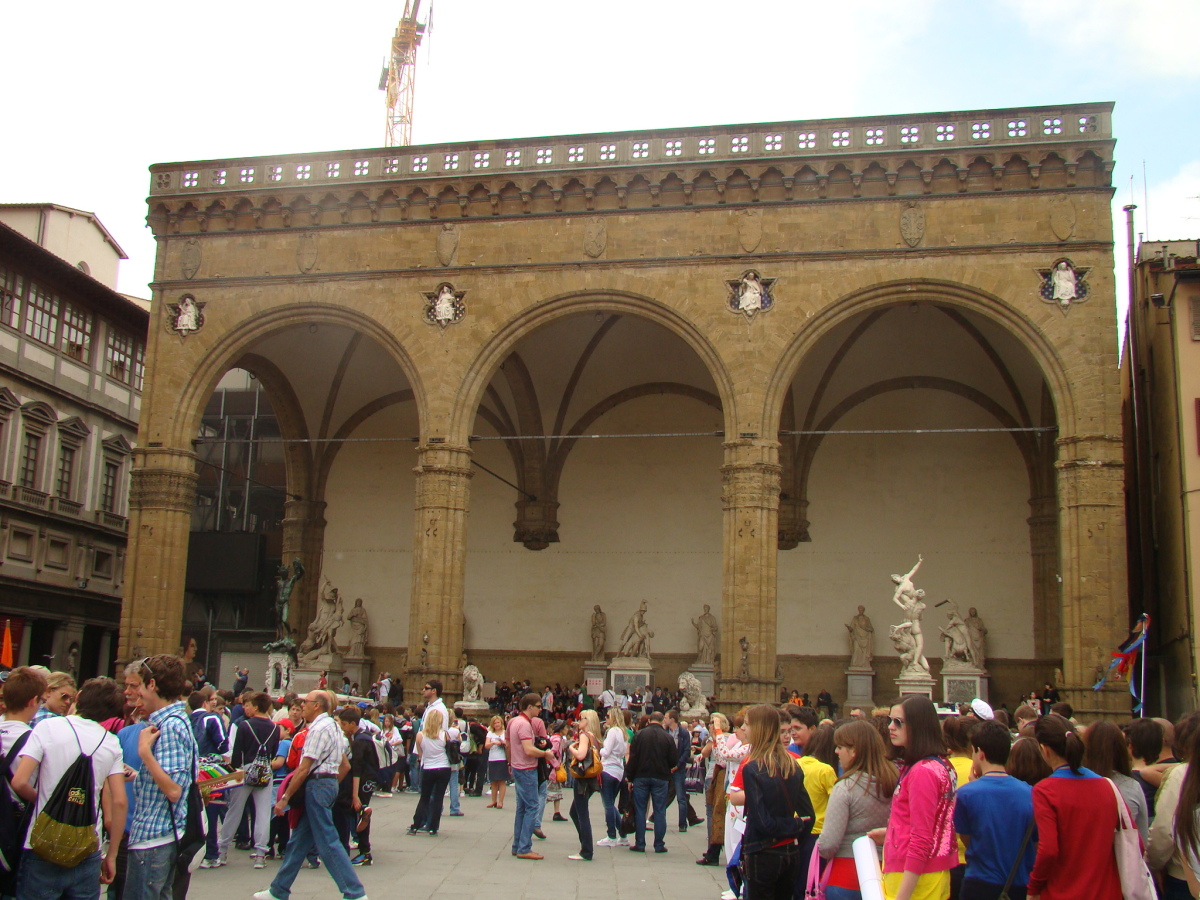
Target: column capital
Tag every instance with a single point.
(162, 489)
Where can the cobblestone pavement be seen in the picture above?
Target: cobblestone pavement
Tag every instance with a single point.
(472, 854)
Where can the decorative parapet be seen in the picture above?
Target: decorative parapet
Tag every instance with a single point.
(1059, 147)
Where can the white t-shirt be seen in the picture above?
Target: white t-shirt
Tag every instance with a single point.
(10, 732)
(55, 749)
(433, 750)
(497, 752)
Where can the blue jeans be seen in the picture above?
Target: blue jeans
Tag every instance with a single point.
(414, 772)
(610, 789)
(454, 778)
(543, 790)
(526, 785)
(316, 829)
(678, 778)
(41, 880)
(832, 892)
(643, 790)
(150, 873)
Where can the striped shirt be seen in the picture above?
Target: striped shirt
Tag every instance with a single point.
(325, 745)
(176, 752)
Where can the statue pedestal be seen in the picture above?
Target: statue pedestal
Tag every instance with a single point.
(860, 687)
(912, 683)
(358, 669)
(630, 674)
(280, 669)
(595, 676)
(704, 675)
(475, 711)
(962, 683)
(306, 676)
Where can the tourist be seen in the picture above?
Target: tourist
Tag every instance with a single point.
(22, 695)
(1163, 853)
(254, 737)
(1145, 740)
(683, 747)
(995, 814)
(919, 849)
(1076, 813)
(49, 753)
(364, 770)
(323, 761)
(497, 762)
(1025, 761)
(1184, 820)
(435, 771)
(956, 732)
(770, 788)
(714, 790)
(554, 790)
(280, 829)
(527, 745)
(612, 755)
(57, 700)
(652, 758)
(474, 761)
(167, 749)
(804, 728)
(861, 801)
(1026, 715)
(459, 725)
(1106, 753)
(587, 739)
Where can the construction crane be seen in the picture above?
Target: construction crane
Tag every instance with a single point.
(398, 77)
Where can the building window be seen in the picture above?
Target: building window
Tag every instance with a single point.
(12, 290)
(66, 469)
(76, 332)
(125, 358)
(41, 315)
(108, 487)
(58, 553)
(30, 453)
(102, 564)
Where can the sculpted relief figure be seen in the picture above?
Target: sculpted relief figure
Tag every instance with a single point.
(911, 600)
(599, 631)
(976, 632)
(635, 639)
(358, 629)
(862, 634)
(706, 637)
(751, 293)
(1062, 282)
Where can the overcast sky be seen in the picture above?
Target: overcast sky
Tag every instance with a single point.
(95, 93)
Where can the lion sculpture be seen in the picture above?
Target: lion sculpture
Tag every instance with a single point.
(693, 696)
(472, 683)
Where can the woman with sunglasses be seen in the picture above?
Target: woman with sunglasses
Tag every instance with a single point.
(919, 849)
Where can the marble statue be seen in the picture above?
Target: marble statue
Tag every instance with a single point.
(750, 299)
(906, 646)
(358, 629)
(187, 319)
(955, 638)
(976, 632)
(635, 639)
(862, 635)
(706, 637)
(693, 696)
(911, 600)
(323, 629)
(443, 305)
(283, 595)
(1062, 283)
(744, 674)
(599, 631)
(472, 680)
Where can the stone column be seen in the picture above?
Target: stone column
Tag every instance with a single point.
(162, 493)
(1095, 607)
(750, 493)
(439, 561)
(304, 537)
(1047, 604)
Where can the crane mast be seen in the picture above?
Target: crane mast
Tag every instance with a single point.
(398, 79)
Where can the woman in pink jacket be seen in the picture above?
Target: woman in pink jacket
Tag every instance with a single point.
(919, 848)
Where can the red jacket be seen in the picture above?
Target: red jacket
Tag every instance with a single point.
(1076, 817)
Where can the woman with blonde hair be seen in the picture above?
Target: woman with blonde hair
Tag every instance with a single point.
(587, 741)
(435, 771)
(861, 801)
(612, 755)
(770, 788)
(497, 761)
(714, 790)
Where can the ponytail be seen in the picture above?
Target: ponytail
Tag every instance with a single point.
(1074, 754)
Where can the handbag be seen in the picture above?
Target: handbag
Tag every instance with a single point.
(693, 779)
(588, 767)
(814, 889)
(1136, 881)
(560, 774)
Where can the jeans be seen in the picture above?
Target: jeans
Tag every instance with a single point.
(610, 789)
(414, 772)
(543, 789)
(315, 829)
(150, 873)
(770, 874)
(525, 783)
(216, 818)
(41, 880)
(583, 821)
(680, 794)
(237, 798)
(454, 789)
(974, 889)
(643, 790)
(433, 792)
(832, 892)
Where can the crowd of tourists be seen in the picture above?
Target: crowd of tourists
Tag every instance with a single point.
(129, 789)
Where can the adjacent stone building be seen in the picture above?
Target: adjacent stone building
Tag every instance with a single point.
(761, 367)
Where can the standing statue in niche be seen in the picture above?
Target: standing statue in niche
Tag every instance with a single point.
(358, 629)
(862, 635)
(706, 637)
(976, 632)
(284, 582)
(599, 631)
(955, 637)
(1062, 283)
(635, 639)
(911, 600)
(744, 674)
(322, 631)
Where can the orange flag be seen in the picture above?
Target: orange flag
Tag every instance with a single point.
(6, 656)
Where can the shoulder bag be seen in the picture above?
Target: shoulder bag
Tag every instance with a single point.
(1012, 872)
(1136, 880)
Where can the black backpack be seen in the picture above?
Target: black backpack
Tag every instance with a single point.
(14, 820)
(195, 826)
(64, 832)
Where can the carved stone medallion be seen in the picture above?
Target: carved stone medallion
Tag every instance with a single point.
(189, 259)
(1062, 217)
(444, 305)
(912, 224)
(447, 243)
(750, 294)
(750, 229)
(595, 236)
(186, 316)
(1063, 284)
(306, 252)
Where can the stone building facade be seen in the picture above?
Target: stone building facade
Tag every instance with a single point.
(811, 352)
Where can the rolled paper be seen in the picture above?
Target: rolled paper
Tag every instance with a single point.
(866, 863)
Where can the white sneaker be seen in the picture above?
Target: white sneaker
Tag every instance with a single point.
(382, 794)
(264, 895)
(728, 895)
(260, 862)
(623, 842)
(606, 842)
(207, 863)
